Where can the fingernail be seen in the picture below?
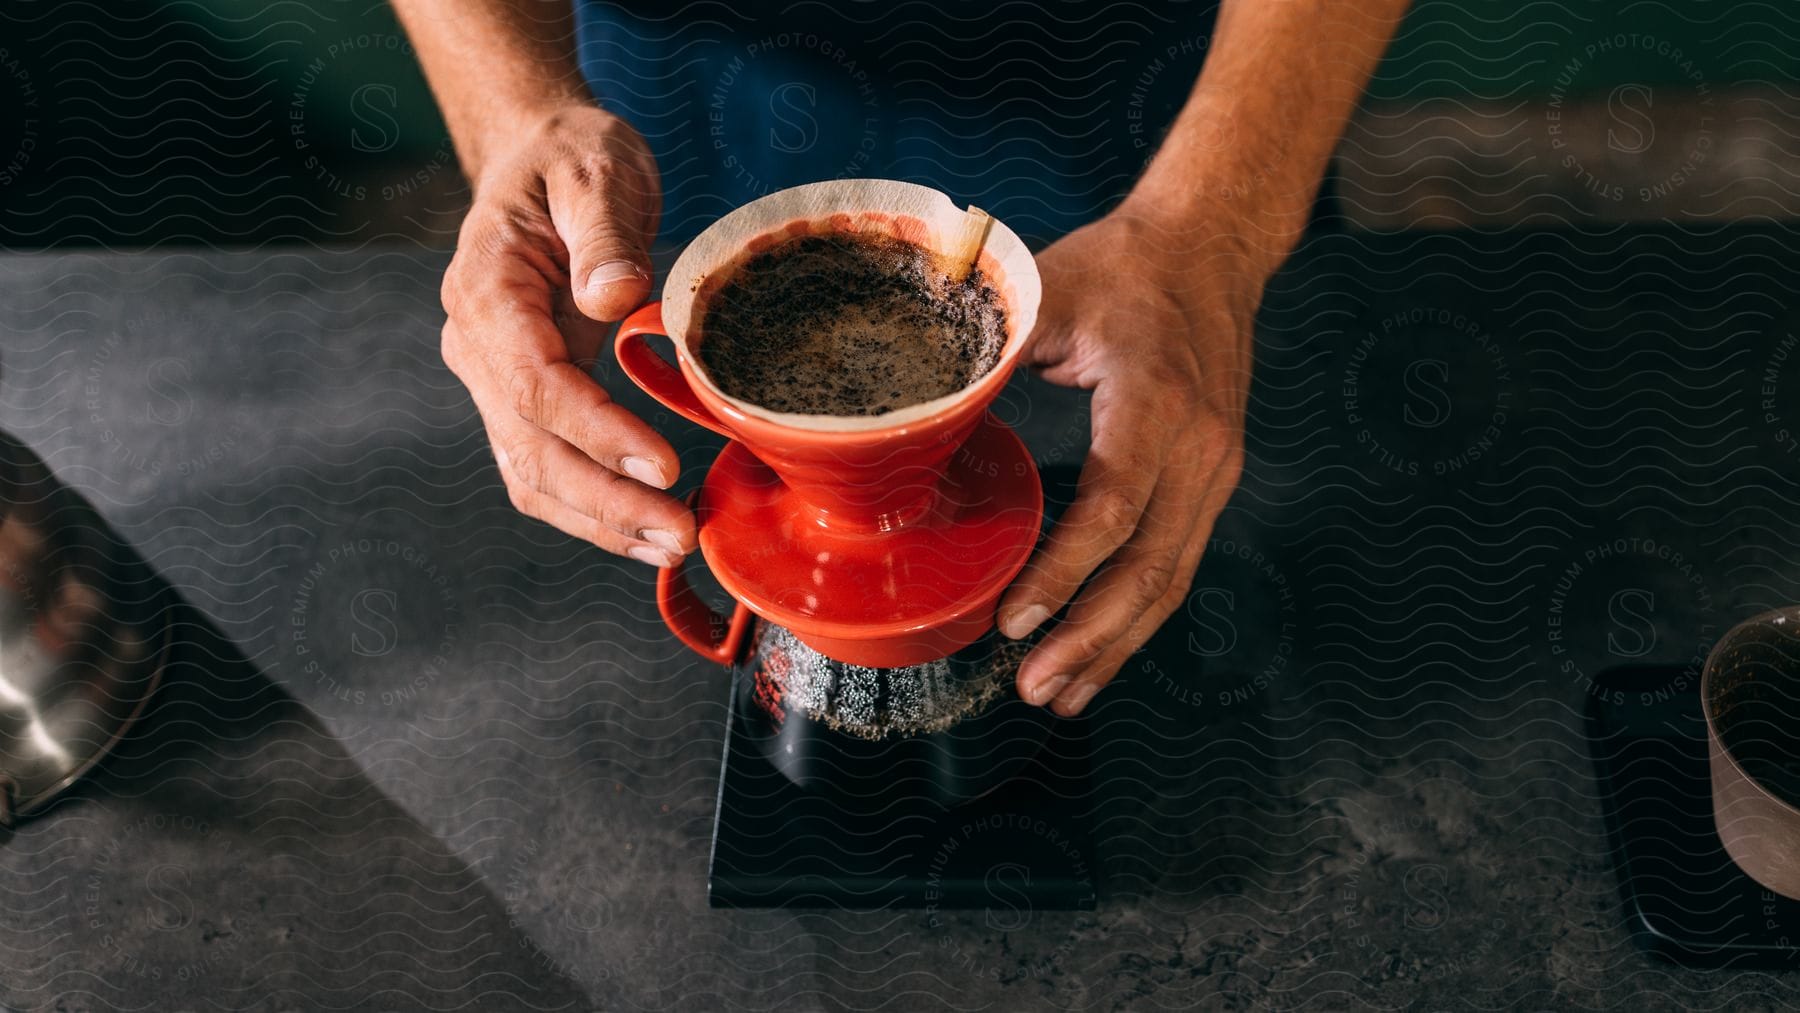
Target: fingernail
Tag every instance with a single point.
(665, 539)
(653, 556)
(1077, 699)
(1018, 623)
(644, 470)
(1046, 690)
(616, 270)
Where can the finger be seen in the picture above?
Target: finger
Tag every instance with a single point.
(561, 399)
(566, 519)
(1129, 448)
(558, 397)
(604, 212)
(1122, 596)
(547, 465)
(573, 522)
(1215, 459)
(1074, 697)
(534, 461)
(586, 338)
(1047, 346)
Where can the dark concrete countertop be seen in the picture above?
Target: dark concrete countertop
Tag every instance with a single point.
(419, 752)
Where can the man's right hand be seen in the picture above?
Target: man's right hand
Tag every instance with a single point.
(556, 243)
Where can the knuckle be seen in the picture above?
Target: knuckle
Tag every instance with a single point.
(468, 239)
(594, 170)
(611, 510)
(1117, 508)
(1152, 579)
(486, 233)
(450, 349)
(1095, 637)
(612, 226)
(508, 233)
(1233, 465)
(1177, 591)
(510, 229)
(521, 498)
(482, 230)
(1222, 452)
(525, 391)
(527, 464)
(450, 291)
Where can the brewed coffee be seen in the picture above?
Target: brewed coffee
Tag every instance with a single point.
(849, 325)
(943, 732)
(874, 703)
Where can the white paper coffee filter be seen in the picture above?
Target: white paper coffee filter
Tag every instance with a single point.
(878, 206)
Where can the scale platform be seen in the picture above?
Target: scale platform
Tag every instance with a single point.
(1688, 903)
(1026, 844)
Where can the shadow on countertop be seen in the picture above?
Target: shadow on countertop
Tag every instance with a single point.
(231, 851)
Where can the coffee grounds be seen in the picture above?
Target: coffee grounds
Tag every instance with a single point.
(849, 325)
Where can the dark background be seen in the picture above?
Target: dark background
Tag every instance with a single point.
(227, 123)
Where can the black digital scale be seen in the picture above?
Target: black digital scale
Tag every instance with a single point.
(1686, 900)
(1026, 842)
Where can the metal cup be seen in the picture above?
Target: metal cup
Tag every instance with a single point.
(1750, 692)
(84, 629)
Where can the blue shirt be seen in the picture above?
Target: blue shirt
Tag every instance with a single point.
(1042, 113)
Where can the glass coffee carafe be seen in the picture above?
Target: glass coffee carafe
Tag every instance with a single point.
(946, 731)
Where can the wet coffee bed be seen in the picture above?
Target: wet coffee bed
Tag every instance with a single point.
(848, 325)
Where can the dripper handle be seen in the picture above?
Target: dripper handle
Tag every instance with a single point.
(694, 623)
(659, 379)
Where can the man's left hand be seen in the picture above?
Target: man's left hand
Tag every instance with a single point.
(1156, 321)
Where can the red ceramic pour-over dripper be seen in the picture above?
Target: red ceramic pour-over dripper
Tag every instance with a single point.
(881, 541)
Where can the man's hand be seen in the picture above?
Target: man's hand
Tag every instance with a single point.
(1156, 322)
(555, 243)
(1151, 308)
(566, 203)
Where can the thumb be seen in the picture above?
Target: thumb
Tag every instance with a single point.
(604, 228)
